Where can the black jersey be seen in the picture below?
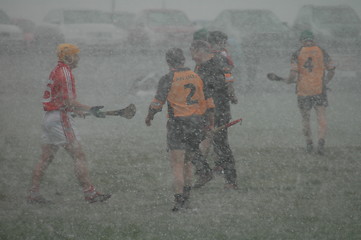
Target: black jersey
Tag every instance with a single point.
(213, 74)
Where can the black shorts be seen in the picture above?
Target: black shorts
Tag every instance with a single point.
(308, 102)
(185, 133)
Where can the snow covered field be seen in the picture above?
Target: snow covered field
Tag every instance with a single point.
(284, 193)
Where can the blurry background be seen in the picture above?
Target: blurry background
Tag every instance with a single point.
(195, 9)
(284, 193)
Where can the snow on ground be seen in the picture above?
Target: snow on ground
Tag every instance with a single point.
(284, 193)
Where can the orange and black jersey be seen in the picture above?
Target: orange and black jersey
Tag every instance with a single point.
(311, 63)
(185, 93)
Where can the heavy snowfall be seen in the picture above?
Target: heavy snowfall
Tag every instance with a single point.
(284, 193)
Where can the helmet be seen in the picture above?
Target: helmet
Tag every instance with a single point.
(175, 57)
(216, 37)
(307, 35)
(66, 50)
(201, 34)
(200, 45)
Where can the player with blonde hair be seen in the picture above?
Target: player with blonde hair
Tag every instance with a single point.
(58, 126)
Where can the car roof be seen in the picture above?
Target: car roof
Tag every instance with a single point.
(5, 16)
(341, 6)
(161, 10)
(246, 10)
(77, 9)
(123, 12)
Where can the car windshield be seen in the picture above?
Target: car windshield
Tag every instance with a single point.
(4, 19)
(81, 17)
(335, 15)
(257, 22)
(158, 19)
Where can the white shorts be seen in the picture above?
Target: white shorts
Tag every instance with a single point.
(53, 130)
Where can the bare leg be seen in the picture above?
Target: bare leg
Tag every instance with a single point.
(306, 127)
(322, 127)
(205, 146)
(48, 154)
(80, 166)
(188, 173)
(177, 164)
(322, 123)
(81, 172)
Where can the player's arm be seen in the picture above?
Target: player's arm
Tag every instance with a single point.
(226, 68)
(292, 77)
(330, 67)
(226, 54)
(63, 80)
(210, 106)
(159, 100)
(229, 79)
(79, 108)
(330, 74)
(75, 106)
(231, 93)
(155, 106)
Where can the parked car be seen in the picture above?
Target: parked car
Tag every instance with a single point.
(337, 29)
(254, 29)
(160, 28)
(11, 36)
(123, 19)
(201, 23)
(254, 35)
(28, 30)
(86, 28)
(145, 85)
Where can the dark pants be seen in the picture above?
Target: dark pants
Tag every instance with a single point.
(223, 150)
(186, 133)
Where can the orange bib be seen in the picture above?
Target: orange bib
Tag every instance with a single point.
(186, 95)
(311, 69)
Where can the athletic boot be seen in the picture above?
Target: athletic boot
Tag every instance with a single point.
(92, 196)
(321, 146)
(178, 202)
(230, 176)
(36, 198)
(203, 179)
(231, 186)
(309, 147)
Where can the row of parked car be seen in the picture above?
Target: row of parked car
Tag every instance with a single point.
(11, 35)
(258, 31)
(256, 35)
(99, 29)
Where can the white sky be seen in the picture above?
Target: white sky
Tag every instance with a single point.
(286, 10)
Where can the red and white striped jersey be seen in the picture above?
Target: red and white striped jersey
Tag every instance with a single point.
(60, 87)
